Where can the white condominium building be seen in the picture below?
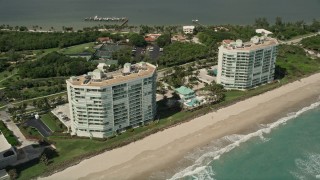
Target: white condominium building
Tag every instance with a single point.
(104, 103)
(246, 65)
(188, 29)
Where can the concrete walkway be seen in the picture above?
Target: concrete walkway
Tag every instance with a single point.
(7, 77)
(297, 40)
(4, 116)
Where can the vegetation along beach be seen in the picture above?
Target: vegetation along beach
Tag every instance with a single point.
(159, 90)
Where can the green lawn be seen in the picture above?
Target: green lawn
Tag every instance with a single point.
(42, 52)
(78, 48)
(52, 122)
(30, 132)
(11, 138)
(312, 43)
(233, 94)
(295, 63)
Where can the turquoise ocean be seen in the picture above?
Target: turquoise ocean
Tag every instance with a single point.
(286, 149)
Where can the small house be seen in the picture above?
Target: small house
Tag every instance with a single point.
(185, 93)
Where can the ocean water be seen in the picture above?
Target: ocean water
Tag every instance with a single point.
(286, 149)
(58, 13)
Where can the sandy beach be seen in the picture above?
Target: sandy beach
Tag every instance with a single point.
(162, 151)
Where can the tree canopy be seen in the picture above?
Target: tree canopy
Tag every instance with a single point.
(137, 40)
(163, 40)
(3, 64)
(123, 55)
(210, 37)
(55, 64)
(35, 40)
(180, 53)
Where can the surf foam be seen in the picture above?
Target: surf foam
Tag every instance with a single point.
(200, 166)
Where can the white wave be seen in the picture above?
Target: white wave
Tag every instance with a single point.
(298, 176)
(309, 167)
(264, 139)
(201, 173)
(235, 139)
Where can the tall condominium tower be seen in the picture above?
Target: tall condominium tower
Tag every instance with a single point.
(246, 65)
(104, 103)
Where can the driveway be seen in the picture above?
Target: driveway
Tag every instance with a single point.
(40, 126)
(155, 53)
(203, 76)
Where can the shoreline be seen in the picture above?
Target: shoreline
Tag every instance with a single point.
(140, 159)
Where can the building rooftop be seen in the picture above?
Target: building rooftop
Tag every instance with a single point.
(255, 43)
(184, 90)
(106, 50)
(104, 39)
(263, 31)
(179, 38)
(151, 37)
(4, 145)
(4, 174)
(188, 27)
(99, 78)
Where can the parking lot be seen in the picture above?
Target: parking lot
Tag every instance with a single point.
(62, 112)
(153, 51)
(40, 126)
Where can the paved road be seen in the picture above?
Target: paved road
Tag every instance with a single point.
(38, 98)
(7, 77)
(155, 53)
(297, 40)
(40, 126)
(8, 105)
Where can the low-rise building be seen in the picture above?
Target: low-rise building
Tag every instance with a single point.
(178, 38)
(185, 93)
(104, 103)
(151, 37)
(188, 29)
(8, 155)
(104, 40)
(189, 98)
(106, 50)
